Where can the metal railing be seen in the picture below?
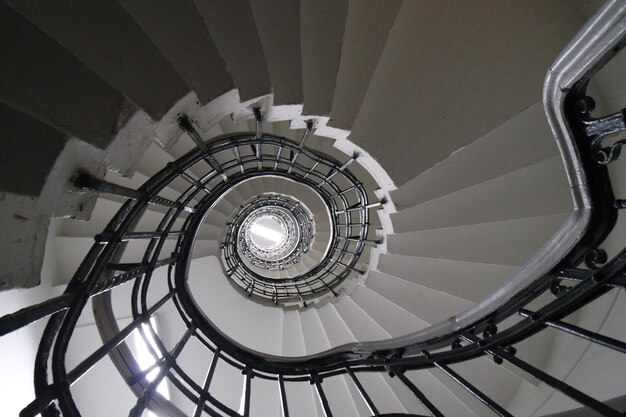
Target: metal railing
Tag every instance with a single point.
(579, 277)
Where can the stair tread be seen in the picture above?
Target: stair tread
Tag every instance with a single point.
(121, 53)
(67, 96)
(321, 51)
(510, 242)
(181, 36)
(241, 49)
(394, 319)
(278, 25)
(538, 190)
(366, 31)
(521, 141)
(470, 280)
(469, 101)
(429, 305)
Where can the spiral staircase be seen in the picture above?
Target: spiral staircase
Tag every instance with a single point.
(312, 208)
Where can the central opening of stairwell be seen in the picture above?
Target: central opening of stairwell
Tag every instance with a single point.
(267, 232)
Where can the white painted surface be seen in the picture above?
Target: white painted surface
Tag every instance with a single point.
(18, 350)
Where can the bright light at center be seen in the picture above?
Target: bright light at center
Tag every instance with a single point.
(265, 232)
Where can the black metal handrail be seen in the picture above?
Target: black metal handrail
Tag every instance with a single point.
(579, 278)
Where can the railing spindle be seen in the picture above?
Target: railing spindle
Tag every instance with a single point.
(364, 394)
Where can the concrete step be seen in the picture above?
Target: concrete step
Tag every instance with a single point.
(136, 181)
(182, 37)
(292, 339)
(429, 305)
(122, 54)
(496, 382)
(240, 49)
(67, 96)
(510, 242)
(522, 141)
(467, 280)
(184, 144)
(278, 26)
(102, 213)
(395, 320)
(335, 388)
(361, 325)
(367, 28)
(322, 25)
(537, 190)
(427, 128)
(229, 126)
(442, 397)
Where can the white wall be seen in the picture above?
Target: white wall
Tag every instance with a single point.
(18, 350)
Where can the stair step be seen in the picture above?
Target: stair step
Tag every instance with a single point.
(263, 398)
(429, 305)
(22, 134)
(322, 24)
(228, 386)
(366, 31)
(497, 383)
(229, 126)
(336, 388)
(292, 341)
(136, 181)
(361, 325)
(393, 319)
(336, 329)
(538, 190)
(67, 96)
(469, 280)
(278, 25)
(510, 242)
(185, 144)
(522, 141)
(441, 397)
(572, 359)
(182, 37)
(408, 400)
(121, 53)
(282, 129)
(240, 49)
(469, 81)
(301, 399)
(381, 394)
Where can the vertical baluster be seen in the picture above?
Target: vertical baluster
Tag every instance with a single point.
(473, 390)
(247, 394)
(364, 395)
(283, 396)
(419, 394)
(238, 158)
(278, 152)
(305, 136)
(207, 383)
(321, 395)
(185, 124)
(259, 122)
